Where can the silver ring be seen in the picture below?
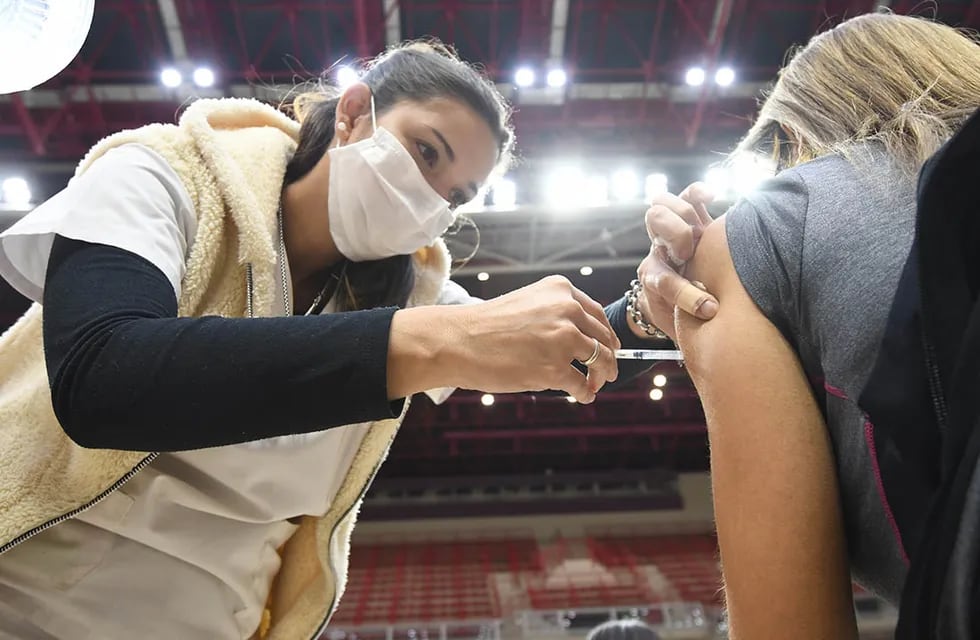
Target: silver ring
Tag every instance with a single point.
(593, 357)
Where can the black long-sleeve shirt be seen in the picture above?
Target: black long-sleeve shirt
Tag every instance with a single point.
(126, 373)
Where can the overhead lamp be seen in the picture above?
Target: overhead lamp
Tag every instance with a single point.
(596, 191)
(625, 185)
(557, 78)
(749, 170)
(171, 78)
(719, 182)
(654, 185)
(346, 76)
(203, 77)
(724, 76)
(39, 39)
(564, 187)
(16, 191)
(524, 77)
(504, 193)
(694, 77)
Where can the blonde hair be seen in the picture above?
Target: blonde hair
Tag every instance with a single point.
(907, 83)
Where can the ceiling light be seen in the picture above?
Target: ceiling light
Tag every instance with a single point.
(719, 182)
(564, 187)
(749, 170)
(504, 193)
(38, 39)
(171, 78)
(724, 76)
(694, 76)
(656, 394)
(16, 192)
(524, 77)
(625, 185)
(203, 77)
(654, 185)
(557, 78)
(596, 192)
(487, 399)
(346, 76)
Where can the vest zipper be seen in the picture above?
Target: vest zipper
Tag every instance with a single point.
(74, 512)
(249, 310)
(333, 570)
(132, 472)
(935, 385)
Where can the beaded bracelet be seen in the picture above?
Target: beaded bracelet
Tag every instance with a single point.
(634, 312)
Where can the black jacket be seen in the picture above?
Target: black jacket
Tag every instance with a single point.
(924, 396)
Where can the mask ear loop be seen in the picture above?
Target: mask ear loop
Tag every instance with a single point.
(374, 120)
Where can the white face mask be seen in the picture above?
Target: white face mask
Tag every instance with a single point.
(380, 203)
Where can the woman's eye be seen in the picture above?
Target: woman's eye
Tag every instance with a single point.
(429, 155)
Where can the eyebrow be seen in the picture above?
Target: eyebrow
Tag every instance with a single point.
(474, 189)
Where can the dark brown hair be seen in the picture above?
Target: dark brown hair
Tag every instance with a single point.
(415, 71)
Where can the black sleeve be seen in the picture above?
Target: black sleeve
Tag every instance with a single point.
(126, 373)
(628, 369)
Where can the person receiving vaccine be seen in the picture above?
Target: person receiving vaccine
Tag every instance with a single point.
(231, 313)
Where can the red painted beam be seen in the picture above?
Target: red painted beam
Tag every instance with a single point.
(29, 126)
(361, 29)
(717, 36)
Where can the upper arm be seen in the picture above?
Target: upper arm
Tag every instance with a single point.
(130, 199)
(773, 475)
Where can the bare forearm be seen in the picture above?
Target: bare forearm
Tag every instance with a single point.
(779, 528)
(420, 353)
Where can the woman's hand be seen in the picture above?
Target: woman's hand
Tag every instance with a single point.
(525, 340)
(674, 224)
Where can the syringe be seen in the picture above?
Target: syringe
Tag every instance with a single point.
(648, 354)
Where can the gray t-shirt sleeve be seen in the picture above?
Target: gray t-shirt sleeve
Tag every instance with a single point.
(765, 237)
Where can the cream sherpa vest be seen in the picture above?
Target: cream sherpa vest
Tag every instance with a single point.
(231, 156)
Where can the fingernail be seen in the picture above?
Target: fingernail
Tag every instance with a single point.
(708, 309)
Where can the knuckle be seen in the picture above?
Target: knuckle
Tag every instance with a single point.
(568, 333)
(657, 215)
(569, 308)
(559, 280)
(661, 278)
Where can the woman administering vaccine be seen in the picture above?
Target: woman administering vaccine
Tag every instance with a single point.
(215, 296)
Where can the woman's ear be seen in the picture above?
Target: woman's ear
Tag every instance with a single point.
(354, 104)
